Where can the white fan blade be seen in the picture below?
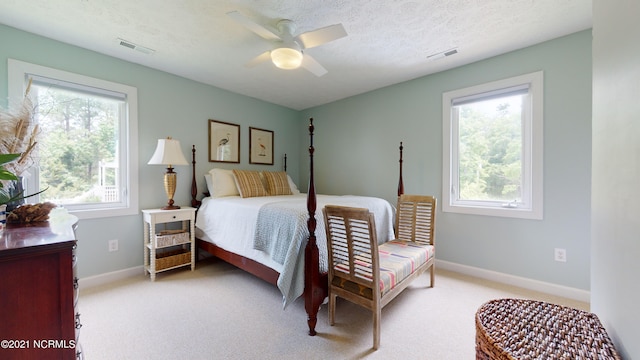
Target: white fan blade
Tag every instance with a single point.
(261, 30)
(265, 56)
(321, 36)
(313, 66)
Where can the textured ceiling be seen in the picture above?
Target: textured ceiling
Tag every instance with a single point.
(388, 40)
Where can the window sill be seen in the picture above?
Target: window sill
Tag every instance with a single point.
(530, 214)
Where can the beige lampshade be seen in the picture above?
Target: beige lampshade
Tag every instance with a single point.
(168, 152)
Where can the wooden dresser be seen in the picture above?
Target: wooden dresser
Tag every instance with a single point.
(39, 291)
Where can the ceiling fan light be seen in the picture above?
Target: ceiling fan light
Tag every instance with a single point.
(286, 58)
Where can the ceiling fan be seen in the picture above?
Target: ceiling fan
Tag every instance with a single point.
(288, 49)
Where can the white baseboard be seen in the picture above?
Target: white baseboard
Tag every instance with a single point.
(530, 284)
(105, 278)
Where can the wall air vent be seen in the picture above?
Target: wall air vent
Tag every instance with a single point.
(440, 55)
(130, 45)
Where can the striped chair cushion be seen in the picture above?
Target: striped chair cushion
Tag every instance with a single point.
(399, 259)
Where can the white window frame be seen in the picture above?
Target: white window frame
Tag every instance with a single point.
(19, 74)
(531, 206)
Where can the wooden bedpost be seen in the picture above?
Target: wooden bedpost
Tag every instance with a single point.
(194, 184)
(400, 184)
(313, 290)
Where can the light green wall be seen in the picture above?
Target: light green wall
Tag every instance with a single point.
(357, 143)
(616, 172)
(168, 106)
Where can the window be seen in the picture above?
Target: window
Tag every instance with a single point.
(492, 151)
(87, 147)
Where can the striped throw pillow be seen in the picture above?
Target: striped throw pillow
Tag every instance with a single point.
(249, 183)
(277, 183)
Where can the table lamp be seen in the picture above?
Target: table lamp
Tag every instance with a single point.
(169, 153)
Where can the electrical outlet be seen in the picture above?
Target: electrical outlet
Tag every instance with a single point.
(113, 245)
(560, 255)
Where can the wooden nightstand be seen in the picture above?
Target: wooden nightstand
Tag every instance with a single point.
(169, 248)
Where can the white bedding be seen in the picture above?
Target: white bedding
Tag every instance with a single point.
(230, 223)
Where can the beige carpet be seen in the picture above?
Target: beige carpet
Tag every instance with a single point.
(220, 312)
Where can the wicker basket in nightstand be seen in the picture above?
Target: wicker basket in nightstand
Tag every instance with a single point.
(527, 329)
(170, 238)
(173, 258)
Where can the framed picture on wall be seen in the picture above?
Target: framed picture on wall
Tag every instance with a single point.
(224, 142)
(260, 146)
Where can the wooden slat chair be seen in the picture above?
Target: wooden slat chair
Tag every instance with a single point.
(415, 221)
(365, 273)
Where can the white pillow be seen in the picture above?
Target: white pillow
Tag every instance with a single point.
(222, 183)
(209, 180)
(292, 186)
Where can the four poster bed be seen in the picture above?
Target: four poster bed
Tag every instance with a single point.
(237, 229)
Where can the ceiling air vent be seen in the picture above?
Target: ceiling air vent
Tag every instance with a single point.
(440, 55)
(130, 45)
(450, 52)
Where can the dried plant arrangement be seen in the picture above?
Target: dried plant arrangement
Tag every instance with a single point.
(18, 135)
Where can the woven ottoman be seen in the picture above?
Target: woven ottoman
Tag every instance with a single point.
(527, 329)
